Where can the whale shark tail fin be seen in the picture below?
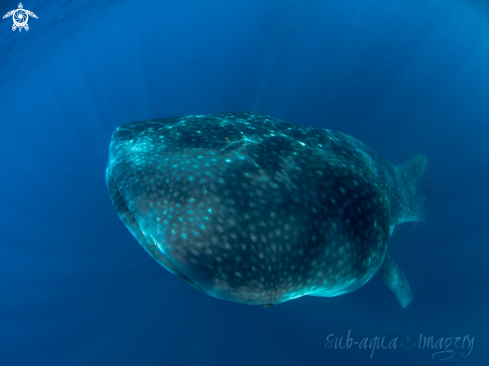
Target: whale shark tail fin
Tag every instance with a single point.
(409, 174)
(407, 214)
(412, 170)
(427, 191)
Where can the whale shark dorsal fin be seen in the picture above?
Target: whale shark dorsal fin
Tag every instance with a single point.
(390, 273)
(412, 170)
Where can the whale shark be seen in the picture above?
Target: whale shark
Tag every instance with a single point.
(251, 209)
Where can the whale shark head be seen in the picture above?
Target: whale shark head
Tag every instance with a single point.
(251, 209)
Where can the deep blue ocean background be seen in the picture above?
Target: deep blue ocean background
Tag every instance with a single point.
(402, 76)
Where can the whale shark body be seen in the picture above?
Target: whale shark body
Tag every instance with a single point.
(251, 209)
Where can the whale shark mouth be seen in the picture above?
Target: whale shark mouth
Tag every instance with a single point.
(130, 221)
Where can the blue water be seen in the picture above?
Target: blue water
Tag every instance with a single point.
(403, 76)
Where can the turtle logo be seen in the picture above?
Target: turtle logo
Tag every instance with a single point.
(20, 17)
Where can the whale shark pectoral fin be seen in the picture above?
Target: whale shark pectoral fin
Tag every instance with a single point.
(390, 273)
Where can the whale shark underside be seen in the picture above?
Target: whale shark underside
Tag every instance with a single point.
(251, 209)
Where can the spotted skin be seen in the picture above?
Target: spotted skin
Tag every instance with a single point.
(251, 209)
